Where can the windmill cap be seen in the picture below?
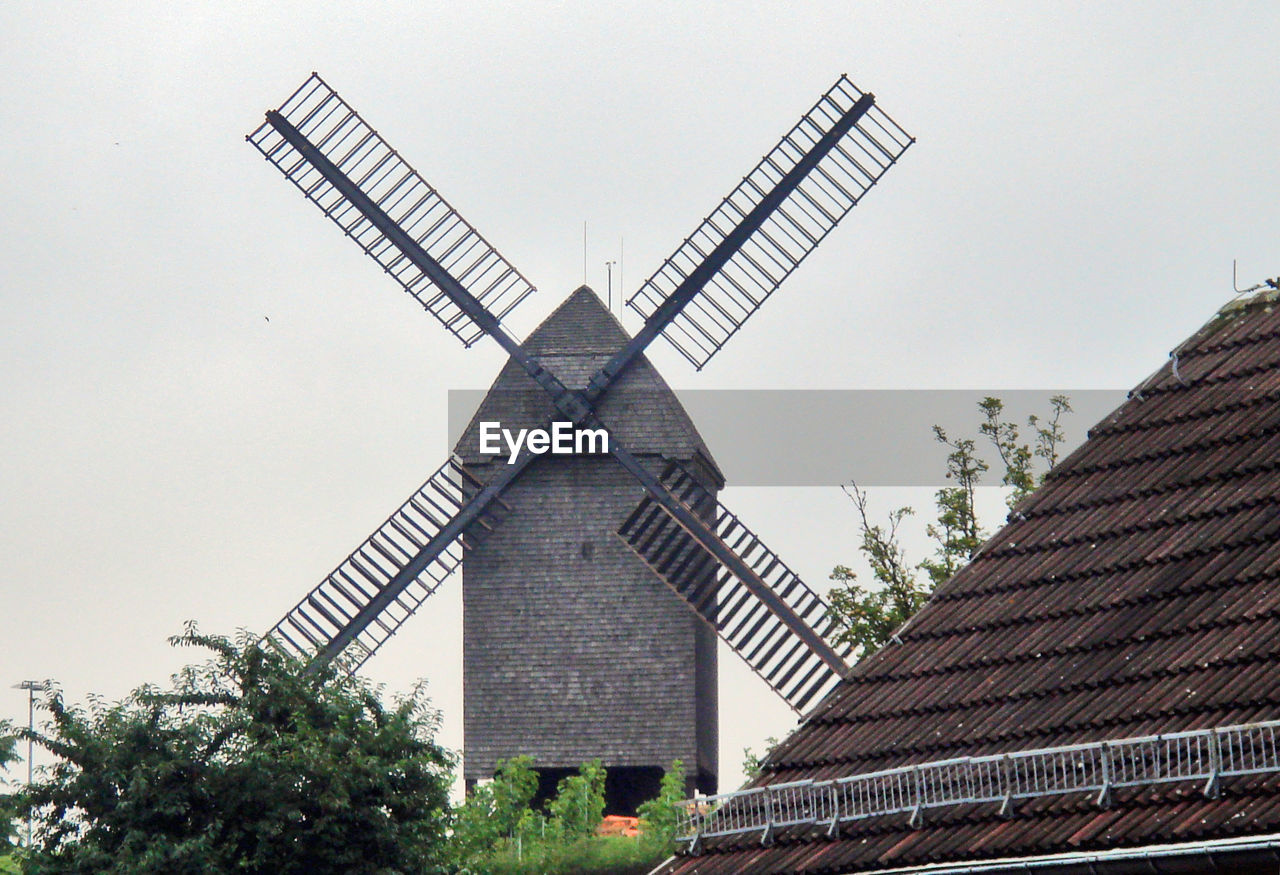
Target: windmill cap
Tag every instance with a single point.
(574, 342)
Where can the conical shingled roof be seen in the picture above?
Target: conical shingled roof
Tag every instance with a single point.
(574, 342)
(1136, 592)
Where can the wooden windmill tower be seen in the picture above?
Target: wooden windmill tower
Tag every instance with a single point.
(549, 583)
(570, 643)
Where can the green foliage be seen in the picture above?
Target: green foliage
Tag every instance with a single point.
(495, 811)
(1018, 457)
(9, 807)
(497, 832)
(955, 529)
(595, 855)
(658, 819)
(1049, 432)
(872, 614)
(753, 764)
(578, 806)
(245, 765)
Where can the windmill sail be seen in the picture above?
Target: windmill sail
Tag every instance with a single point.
(317, 127)
(775, 217)
(366, 599)
(726, 269)
(788, 664)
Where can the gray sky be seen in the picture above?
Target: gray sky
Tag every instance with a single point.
(1084, 175)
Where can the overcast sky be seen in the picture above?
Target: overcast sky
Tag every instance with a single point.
(210, 397)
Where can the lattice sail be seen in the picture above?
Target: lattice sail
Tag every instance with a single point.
(861, 143)
(331, 609)
(786, 663)
(339, 133)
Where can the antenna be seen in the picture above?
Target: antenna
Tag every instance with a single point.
(609, 300)
(1271, 283)
(1236, 286)
(584, 253)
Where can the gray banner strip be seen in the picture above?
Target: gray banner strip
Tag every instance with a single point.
(817, 437)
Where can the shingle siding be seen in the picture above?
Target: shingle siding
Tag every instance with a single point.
(573, 649)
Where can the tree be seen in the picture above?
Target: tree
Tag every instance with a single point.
(246, 765)
(753, 763)
(871, 615)
(658, 816)
(1018, 458)
(497, 832)
(495, 811)
(8, 807)
(578, 806)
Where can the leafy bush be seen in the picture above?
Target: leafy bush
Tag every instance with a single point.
(658, 820)
(246, 765)
(578, 806)
(497, 832)
(495, 811)
(593, 855)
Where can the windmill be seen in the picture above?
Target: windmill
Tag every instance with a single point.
(725, 581)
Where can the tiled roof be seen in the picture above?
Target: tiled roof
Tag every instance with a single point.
(1136, 592)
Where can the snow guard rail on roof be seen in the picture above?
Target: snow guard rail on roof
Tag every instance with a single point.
(1096, 767)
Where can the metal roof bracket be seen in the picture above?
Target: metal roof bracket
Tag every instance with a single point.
(766, 837)
(1212, 787)
(1104, 757)
(918, 783)
(833, 829)
(1006, 775)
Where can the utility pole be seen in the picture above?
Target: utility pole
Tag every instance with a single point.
(32, 687)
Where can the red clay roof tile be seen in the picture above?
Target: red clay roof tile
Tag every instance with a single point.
(1136, 592)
